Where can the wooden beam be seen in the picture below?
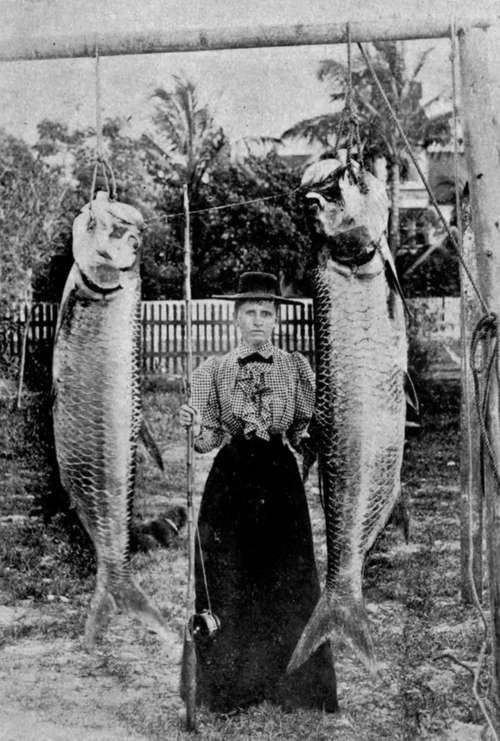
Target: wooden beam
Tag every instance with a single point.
(482, 147)
(14, 48)
(471, 480)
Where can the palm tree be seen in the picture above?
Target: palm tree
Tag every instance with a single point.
(378, 133)
(185, 134)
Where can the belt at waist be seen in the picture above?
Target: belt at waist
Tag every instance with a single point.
(276, 440)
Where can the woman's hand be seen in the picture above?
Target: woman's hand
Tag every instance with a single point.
(190, 417)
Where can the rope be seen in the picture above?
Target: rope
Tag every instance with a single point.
(485, 330)
(98, 113)
(348, 99)
(101, 162)
(350, 122)
(230, 205)
(203, 570)
(440, 214)
(486, 326)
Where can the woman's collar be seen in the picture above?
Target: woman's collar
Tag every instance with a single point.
(266, 349)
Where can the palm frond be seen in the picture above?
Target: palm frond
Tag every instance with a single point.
(318, 129)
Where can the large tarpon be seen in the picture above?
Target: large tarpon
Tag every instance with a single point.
(360, 399)
(96, 411)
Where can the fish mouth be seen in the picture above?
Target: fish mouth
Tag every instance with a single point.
(104, 277)
(351, 246)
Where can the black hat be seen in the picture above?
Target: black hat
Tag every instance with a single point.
(258, 287)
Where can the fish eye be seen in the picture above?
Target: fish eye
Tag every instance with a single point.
(117, 232)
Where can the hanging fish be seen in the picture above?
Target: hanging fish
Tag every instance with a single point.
(359, 416)
(96, 412)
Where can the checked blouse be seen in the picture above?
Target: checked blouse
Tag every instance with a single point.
(259, 398)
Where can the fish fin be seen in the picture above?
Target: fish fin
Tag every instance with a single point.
(102, 606)
(64, 317)
(150, 444)
(411, 394)
(130, 597)
(392, 275)
(400, 515)
(335, 618)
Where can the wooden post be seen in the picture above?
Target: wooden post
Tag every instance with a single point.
(482, 151)
(471, 483)
(188, 677)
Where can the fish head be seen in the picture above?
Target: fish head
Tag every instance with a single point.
(106, 242)
(346, 214)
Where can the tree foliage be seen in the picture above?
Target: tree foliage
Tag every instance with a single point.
(186, 134)
(232, 237)
(31, 194)
(247, 215)
(268, 234)
(378, 133)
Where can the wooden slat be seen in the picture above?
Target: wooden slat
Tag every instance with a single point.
(214, 331)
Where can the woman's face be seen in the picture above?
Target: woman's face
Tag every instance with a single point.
(256, 320)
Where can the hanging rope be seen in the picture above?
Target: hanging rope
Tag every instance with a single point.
(101, 163)
(485, 333)
(476, 670)
(349, 124)
(431, 195)
(98, 112)
(203, 569)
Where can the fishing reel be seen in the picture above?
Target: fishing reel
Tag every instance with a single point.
(204, 624)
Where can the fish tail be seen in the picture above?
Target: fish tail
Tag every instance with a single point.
(101, 609)
(130, 597)
(335, 617)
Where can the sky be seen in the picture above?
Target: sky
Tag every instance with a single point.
(252, 92)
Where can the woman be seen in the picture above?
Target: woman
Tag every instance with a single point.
(255, 567)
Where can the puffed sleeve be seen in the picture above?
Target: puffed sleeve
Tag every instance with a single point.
(304, 399)
(205, 398)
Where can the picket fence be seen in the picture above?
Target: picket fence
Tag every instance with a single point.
(435, 323)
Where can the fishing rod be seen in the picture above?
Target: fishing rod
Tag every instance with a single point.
(188, 677)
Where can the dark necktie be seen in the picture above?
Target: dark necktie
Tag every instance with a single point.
(255, 357)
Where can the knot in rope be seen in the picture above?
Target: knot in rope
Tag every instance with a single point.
(349, 124)
(101, 162)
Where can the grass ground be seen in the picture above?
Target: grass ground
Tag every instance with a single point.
(52, 689)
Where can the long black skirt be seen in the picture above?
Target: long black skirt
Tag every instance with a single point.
(262, 582)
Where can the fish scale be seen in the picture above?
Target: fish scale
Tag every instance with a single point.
(97, 411)
(359, 417)
(97, 418)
